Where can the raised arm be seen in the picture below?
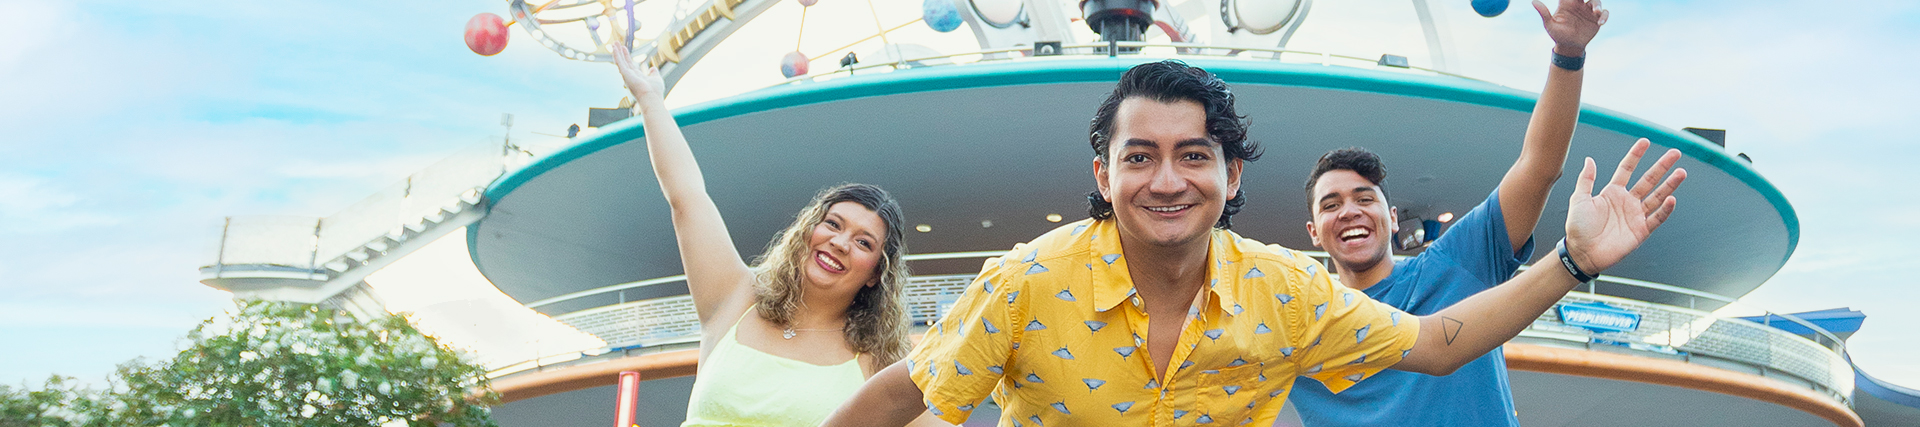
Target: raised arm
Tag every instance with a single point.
(1601, 230)
(716, 276)
(1523, 191)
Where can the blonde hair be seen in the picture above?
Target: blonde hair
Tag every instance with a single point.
(877, 319)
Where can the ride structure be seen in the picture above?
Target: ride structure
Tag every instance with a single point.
(972, 113)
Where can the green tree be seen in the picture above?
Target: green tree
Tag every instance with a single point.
(281, 364)
(59, 403)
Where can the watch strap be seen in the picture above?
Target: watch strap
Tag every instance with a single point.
(1570, 63)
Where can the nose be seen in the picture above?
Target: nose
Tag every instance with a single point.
(843, 242)
(1166, 180)
(1349, 211)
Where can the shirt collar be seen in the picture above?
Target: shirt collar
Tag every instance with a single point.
(1112, 285)
(1224, 257)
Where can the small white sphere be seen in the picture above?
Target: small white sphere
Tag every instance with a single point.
(999, 12)
(1263, 16)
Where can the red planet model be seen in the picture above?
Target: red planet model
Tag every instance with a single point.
(486, 34)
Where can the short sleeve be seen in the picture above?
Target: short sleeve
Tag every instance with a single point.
(1344, 336)
(1479, 241)
(962, 358)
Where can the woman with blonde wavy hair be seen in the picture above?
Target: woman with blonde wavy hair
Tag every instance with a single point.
(786, 340)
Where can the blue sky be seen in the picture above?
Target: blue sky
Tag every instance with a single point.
(131, 128)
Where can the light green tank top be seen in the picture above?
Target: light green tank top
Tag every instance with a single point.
(741, 386)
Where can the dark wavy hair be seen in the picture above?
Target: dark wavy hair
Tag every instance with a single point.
(1169, 81)
(1355, 159)
(877, 320)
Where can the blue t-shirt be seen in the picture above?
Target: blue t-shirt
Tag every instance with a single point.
(1473, 255)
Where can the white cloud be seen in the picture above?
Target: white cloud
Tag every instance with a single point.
(34, 206)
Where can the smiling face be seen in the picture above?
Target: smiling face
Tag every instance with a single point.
(1167, 180)
(845, 247)
(1352, 221)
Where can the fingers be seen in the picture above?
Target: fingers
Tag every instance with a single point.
(1603, 17)
(1572, 5)
(1665, 191)
(1583, 187)
(1596, 7)
(1659, 170)
(620, 54)
(1545, 16)
(1628, 164)
(1660, 216)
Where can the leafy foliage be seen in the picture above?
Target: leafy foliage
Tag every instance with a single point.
(277, 364)
(58, 404)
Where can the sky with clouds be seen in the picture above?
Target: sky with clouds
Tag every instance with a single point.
(132, 128)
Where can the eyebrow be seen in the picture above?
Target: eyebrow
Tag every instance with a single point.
(1356, 190)
(1203, 142)
(1137, 142)
(845, 224)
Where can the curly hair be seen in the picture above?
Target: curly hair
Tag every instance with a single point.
(1168, 81)
(1355, 159)
(877, 320)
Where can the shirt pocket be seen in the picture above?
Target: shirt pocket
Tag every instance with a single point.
(1230, 395)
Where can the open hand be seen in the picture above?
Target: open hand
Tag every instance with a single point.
(1573, 25)
(644, 85)
(1602, 229)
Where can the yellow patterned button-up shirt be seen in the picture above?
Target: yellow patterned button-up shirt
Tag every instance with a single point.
(1055, 332)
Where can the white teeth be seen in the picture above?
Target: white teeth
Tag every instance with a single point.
(1167, 208)
(1353, 233)
(829, 260)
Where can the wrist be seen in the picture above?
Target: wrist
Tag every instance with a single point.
(1568, 62)
(1581, 270)
(643, 103)
(1570, 50)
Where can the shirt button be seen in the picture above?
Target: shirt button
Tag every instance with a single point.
(1136, 301)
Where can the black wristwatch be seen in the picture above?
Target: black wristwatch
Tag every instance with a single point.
(1571, 63)
(1566, 260)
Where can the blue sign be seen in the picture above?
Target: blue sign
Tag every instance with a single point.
(1599, 317)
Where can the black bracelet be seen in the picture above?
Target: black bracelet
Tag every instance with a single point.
(1571, 63)
(1566, 260)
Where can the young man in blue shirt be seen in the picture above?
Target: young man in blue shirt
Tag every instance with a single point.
(1354, 223)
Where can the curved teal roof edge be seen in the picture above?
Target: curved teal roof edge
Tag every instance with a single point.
(1882, 389)
(1015, 73)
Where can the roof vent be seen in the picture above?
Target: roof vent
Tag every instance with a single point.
(1717, 136)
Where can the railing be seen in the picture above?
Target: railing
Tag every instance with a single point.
(1098, 49)
(1686, 334)
(270, 250)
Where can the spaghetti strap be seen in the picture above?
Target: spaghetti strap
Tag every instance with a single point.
(736, 323)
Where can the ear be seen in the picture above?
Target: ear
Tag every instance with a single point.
(1233, 176)
(1100, 178)
(1393, 220)
(1313, 233)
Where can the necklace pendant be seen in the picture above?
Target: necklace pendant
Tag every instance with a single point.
(788, 333)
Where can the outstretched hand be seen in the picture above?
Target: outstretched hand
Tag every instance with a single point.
(1602, 229)
(644, 84)
(1573, 25)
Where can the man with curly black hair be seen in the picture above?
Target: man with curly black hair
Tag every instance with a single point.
(1152, 313)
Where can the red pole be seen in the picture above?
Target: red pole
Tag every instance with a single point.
(629, 396)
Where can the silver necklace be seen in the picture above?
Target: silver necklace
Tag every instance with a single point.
(790, 332)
